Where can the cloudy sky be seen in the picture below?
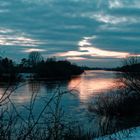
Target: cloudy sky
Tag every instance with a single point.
(88, 32)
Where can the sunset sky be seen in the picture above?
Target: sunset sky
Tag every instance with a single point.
(88, 32)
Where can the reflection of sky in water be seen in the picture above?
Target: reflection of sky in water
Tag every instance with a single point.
(87, 85)
(92, 83)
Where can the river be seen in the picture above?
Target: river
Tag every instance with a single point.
(79, 92)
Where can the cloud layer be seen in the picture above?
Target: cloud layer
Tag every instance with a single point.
(83, 31)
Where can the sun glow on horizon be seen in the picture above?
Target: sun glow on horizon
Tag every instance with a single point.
(87, 49)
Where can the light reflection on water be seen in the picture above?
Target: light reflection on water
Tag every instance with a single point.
(92, 83)
(87, 85)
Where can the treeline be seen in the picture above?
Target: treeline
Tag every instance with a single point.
(130, 64)
(60, 69)
(39, 67)
(8, 70)
(130, 68)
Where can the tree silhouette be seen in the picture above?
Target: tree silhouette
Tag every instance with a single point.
(34, 58)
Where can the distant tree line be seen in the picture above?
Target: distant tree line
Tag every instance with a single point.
(39, 67)
(130, 64)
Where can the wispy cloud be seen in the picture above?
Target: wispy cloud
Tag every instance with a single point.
(96, 52)
(77, 58)
(4, 11)
(124, 4)
(33, 49)
(110, 19)
(87, 49)
(72, 54)
(5, 30)
(9, 37)
(115, 4)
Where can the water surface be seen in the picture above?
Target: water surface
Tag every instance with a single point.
(80, 91)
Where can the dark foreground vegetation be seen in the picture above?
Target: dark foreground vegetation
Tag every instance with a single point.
(122, 106)
(125, 100)
(38, 67)
(131, 64)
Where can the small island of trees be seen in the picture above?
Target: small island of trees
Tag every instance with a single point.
(40, 68)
